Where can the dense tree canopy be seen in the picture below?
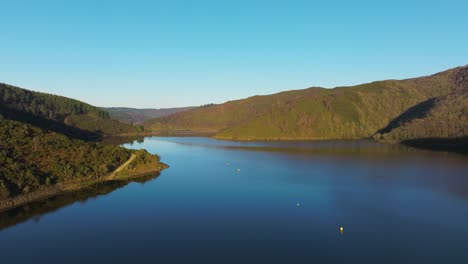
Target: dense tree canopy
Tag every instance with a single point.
(35, 107)
(444, 117)
(30, 157)
(45, 105)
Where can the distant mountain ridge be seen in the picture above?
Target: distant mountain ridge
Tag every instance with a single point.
(316, 113)
(137, 116)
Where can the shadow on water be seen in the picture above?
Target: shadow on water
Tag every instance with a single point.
(36, 209)
(458, 145)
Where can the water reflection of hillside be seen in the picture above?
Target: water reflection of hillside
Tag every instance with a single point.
(37, 209)
(356, 148)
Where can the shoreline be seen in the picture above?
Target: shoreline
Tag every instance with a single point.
(44, 192)
(245, 139)
(452, 145)
(214, 134)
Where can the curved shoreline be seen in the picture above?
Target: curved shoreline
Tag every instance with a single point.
(60, 188)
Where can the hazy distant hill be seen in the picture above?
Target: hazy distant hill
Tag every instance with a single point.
(317, 113)
(57, 113)
(137, 116)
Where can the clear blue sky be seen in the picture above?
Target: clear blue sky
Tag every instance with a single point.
(179, 53)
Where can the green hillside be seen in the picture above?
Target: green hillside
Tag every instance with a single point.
(438, 123)
(137, 116)
(44, 148)
(58, 113)
(316, 113)
(31, 157)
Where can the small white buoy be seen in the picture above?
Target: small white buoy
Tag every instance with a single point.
(297, 204)
(238, 170)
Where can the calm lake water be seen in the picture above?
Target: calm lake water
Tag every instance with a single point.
(259, 202)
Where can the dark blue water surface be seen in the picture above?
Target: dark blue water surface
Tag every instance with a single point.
(263, 202)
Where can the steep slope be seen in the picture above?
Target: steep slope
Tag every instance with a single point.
(57, 113)
(440, 117)
(137, 116)
(316, 113)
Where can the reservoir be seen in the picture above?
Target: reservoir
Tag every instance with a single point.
(258, 202)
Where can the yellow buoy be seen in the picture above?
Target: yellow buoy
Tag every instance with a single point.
(341, 229)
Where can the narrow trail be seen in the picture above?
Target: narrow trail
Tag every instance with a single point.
(121, 167)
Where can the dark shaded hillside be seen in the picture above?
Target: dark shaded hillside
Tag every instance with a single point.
(316, 113)
(439, 123)
(418, 111)
(107, 126)
(45, 105)
(48, 124)
(137, 116)
(57, 112)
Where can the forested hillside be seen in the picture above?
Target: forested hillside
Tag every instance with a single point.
(45, 105)
(441, 117)
(52, 111)
(316, 113)
(43, 143)
(31, 157)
